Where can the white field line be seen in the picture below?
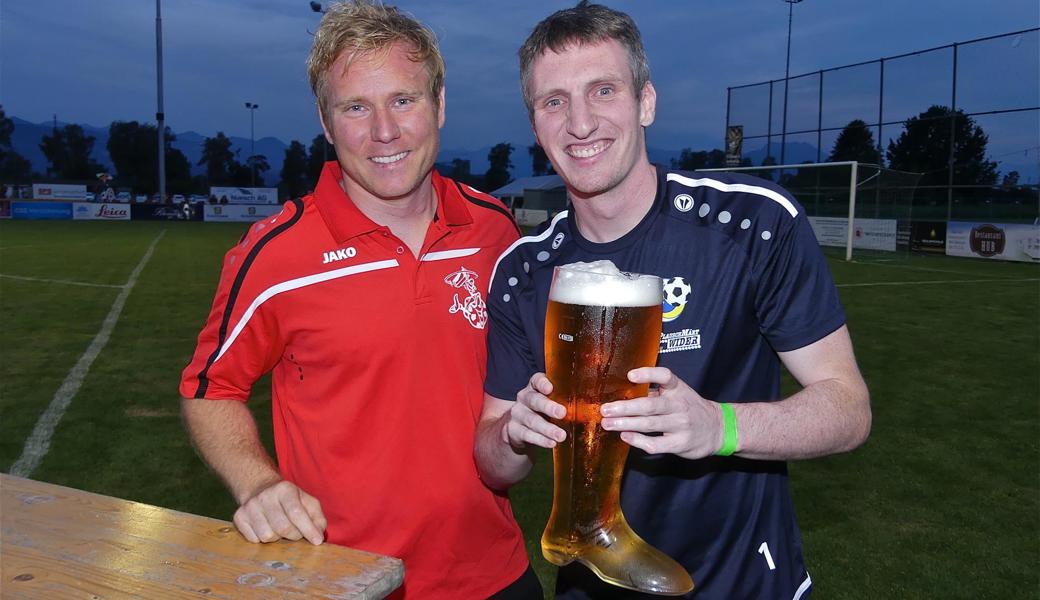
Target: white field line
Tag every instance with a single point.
(930, 270)
(39, 441)
(62, 281)
(935, 282)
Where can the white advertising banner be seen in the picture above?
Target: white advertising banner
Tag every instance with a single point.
(238, 212)
(999, 241)
(90, 211)
(867, 234)
(58, 191)
(242, 195)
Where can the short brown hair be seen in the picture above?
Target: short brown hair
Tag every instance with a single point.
(584, 24)
(362, 26)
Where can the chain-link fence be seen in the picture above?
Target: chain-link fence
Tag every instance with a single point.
(965, 115)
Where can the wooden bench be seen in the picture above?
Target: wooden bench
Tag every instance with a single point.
(57, 542)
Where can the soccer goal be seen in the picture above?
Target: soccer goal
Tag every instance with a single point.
(862, 208)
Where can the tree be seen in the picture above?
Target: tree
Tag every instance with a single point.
(320, 152)
(924, 147)
(13, 166)
(690, 160)
(256, 165)
(68, 151)
(540, 164)
(133, 148)
(1010, 180)
(768, 161)
(498, 170)
(221, 166)
(855, 142)
(294, 171)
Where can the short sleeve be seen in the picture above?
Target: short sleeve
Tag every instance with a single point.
(795, 297)
(510, 361)
(238, 343)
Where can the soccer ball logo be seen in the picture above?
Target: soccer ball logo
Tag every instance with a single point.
(676, 294)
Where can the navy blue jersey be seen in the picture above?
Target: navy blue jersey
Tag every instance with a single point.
(744, 278)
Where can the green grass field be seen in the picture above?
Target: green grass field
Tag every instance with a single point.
(942, 502)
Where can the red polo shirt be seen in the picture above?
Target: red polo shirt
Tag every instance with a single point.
(378, 362)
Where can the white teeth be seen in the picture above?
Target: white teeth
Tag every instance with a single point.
(385, 160)
(587, 151)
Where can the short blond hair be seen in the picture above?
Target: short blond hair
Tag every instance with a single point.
(362, 26)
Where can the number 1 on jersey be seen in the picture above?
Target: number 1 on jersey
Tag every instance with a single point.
(764, 551)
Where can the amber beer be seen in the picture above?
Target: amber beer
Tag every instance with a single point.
(600, 324)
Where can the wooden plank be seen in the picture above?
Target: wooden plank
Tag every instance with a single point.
(57, 542)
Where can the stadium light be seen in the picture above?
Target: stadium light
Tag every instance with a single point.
(787, 79)
(252, 106)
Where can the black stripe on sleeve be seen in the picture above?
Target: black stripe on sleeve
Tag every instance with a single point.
(492, 206)
(233, 294)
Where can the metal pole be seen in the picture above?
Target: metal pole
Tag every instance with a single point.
(953, 140)
(787, 79)
(252, 106)
(252, 147)
(853, 176)
(769, 126)
(160, 117)
(729, 92)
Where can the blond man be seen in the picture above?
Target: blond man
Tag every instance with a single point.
(365, 300)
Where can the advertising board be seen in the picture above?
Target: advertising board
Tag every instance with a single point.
(89, 211)
(238, 212)
(998, 241)
(244, 195)
(868, 234)
(58, 191)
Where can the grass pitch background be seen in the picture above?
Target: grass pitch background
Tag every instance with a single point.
(942, 502)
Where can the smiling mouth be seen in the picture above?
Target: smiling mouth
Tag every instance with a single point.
(389, 160)
(588, 150)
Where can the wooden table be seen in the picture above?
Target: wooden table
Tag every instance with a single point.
(57, 542)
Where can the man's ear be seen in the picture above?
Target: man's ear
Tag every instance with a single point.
(647, 105)
(324, 127)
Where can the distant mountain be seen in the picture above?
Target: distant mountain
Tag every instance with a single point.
(26, 138)
(797, 153)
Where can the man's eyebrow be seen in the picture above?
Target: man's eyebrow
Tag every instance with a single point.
(351, 100)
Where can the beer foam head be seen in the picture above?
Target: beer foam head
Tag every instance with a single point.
(601, 283)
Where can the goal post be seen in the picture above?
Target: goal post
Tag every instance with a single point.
(863, 208)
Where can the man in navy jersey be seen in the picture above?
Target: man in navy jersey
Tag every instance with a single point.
(746, 290)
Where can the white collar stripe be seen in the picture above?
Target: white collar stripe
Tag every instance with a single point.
(446, 254)
(529, 239)
(736, 187)
(297, 283)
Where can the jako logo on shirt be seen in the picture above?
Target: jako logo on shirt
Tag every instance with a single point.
(334, 255)
(472, 306)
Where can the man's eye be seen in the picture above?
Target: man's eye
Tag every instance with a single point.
(553, 102)
(605, 91)
(355, 108)
(404, 101)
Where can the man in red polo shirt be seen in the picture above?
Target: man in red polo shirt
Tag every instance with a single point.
(366, 301)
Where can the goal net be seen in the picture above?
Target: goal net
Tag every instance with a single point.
(859, 210)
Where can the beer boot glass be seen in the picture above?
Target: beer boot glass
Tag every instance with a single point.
(600, 324)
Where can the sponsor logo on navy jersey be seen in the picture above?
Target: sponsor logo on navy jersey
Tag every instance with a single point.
(685, 339)
(676, 295)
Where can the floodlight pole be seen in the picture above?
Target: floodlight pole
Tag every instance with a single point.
(252, 106)
(787, 79)
(160, 117)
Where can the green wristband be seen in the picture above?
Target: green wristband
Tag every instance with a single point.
(729, 430)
